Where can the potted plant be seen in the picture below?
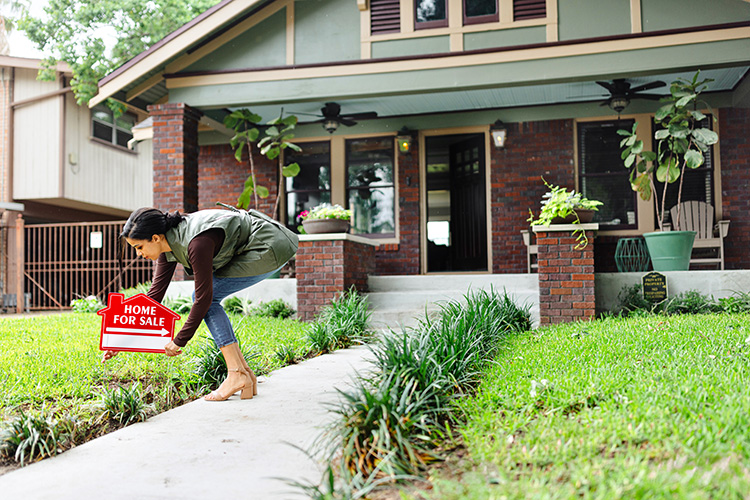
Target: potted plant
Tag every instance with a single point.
(680, 144)
(563, 206)
(326, 218)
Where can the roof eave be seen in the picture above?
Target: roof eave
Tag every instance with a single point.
(170, 46)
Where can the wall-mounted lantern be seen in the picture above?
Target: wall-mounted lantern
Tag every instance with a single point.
(499, 134)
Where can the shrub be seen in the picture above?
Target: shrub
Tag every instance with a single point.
(345, 321)
(180, 304)
(210, 369)
(319, 336)
(631, 302)
(287, 354)
(123, 405)
(276, 308)
(691, 302)
(392, 422)
(87, 304)
(33, 437)
(237, 305)
(139, 288)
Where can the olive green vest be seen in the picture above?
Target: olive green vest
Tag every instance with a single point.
(253, 242)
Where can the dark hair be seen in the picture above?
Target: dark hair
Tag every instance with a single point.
(144, 223)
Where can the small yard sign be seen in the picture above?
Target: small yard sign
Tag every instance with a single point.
(136, 324)
(654, 287)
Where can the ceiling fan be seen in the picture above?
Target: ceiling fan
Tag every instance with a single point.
(331, 117)
(621, 94)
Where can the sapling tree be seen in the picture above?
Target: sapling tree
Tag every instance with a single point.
(277, 136)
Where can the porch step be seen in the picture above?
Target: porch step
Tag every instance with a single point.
(401, 301)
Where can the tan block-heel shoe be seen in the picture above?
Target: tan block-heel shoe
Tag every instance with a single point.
(247, 389)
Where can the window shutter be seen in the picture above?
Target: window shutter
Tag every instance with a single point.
(385, 16)
(529, 9)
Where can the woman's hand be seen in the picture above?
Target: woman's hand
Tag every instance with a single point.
(172, 349)
(108, 355)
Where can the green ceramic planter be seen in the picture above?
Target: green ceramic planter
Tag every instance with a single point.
(670, 250)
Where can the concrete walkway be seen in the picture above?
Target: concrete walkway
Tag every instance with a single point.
(203, 450)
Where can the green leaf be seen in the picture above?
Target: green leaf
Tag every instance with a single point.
(624, 132)
(684, 101)
(249, 182)
(293, 146)
(694, 158)
(272, 131)
(264, 140)
(663, 112)
(291, 170)
(637, 147)
(626, 153)
(273, 153)
(679, 130)
(648, 155)
(631, 140)
(698, 115)
(705, 136)
(252, 134)
(238, 151)
(290, 120)
(661, 134)
(262, 191)
(629, 161)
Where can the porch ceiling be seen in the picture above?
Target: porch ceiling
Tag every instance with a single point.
(725, 79)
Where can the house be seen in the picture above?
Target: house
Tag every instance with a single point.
(62, 167)
(444, 75)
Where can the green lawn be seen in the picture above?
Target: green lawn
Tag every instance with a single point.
(653, 407)
(53, 361)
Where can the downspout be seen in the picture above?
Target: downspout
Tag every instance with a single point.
(62, 137)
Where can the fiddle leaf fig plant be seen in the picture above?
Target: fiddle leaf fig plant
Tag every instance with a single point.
(277, 136)
(561, 203)
(680, 144)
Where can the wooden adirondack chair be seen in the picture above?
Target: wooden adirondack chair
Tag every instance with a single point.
(532, 251)
(709, 239)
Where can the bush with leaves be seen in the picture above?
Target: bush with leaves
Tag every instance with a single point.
(392, 421)
(180, 304)
(124, 405)
(32, 437)
(276, 308)
(342, 323)
(238, 305)
(88, 304)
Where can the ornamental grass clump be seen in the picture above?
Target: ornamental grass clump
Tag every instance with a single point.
(124, 405)
(31, 437)
(342, 323)
(392, 421)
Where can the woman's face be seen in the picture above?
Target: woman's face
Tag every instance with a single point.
(148, 249)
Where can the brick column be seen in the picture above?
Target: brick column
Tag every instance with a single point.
(175, 144)
(328, 264)
(566, 274)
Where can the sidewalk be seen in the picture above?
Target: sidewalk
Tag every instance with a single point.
(233, 449)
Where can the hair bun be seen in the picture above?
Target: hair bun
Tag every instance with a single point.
(173, 219)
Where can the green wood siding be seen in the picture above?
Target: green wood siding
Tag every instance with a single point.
(326, 31)
(483, 76)
(670, 14)
(593, 18)
(261, 46)
(505, 38)
(412, 47)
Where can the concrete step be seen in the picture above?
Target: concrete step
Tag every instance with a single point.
(402, 301)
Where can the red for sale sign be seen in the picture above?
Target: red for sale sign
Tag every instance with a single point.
(136, 324)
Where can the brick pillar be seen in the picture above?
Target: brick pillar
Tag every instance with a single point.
(328, 264)
(566, 274)
(175, 144)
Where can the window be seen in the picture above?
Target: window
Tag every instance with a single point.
(602, 175)
(697, 185)
(108, 128)
(480, 11)
(431, 13)
(312, 186)
(370, 187)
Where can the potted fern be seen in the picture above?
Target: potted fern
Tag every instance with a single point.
(679, 145)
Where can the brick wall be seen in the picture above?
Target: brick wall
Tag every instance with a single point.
(566, 277)
(532, 150)
(175, 143)
(222, 178)
(734, 141)
(325, 268)
(403, 258)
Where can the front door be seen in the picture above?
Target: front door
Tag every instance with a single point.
(456, 203)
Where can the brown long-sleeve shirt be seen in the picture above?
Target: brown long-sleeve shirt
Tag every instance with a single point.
(201, 251)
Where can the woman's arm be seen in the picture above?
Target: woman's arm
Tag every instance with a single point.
(162, 276)
(201, 252)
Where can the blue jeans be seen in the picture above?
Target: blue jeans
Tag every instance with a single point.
(216, 318)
